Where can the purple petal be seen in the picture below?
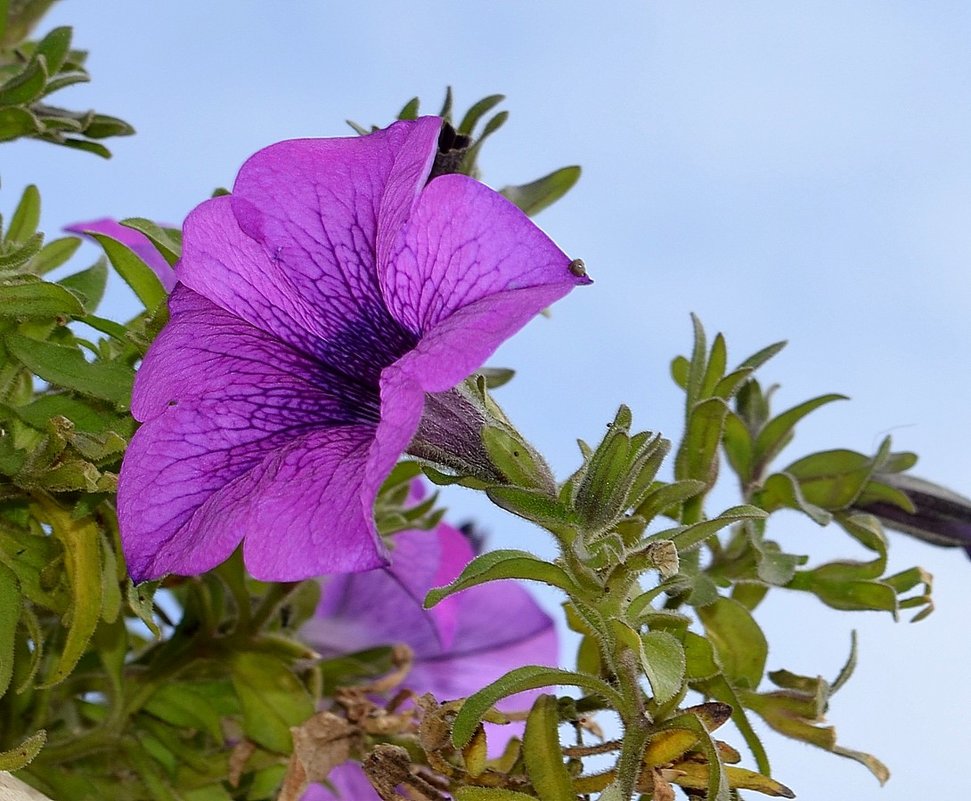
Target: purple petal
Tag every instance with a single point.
(293, 249)
(349, 782)
(385, 606)
(184, 505)
(135, 241)
(207, 352)
(464, 244)
(494, 627)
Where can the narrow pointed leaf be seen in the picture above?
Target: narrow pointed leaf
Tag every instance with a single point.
(23, 754)
(137, 274)
(37, 299)
(474, 114)
(167, 241)
(66, 367)
(533, 197)
(503, 564)
(778, 430)
(26, 217)
(542, 752)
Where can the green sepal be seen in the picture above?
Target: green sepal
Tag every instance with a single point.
(504, 564)
(529, 677)
(477, 111)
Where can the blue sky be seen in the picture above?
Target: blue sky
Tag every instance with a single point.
(793, 171)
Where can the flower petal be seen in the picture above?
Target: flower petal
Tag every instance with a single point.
(207, 352)
(189, 493)
(349, 782)
(463, 244)
(293, 248)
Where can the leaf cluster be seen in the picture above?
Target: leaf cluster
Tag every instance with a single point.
(30, 72)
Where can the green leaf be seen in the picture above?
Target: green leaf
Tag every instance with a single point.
(533, 197)
(469, 793)
(27, 85)
(715, 368)
(698, 454)
(180, 704)
(778, 431)
(783, 490)
(23, 754)
(687, 537)
(89, 284)
(26, 217)
(664, 662)
(756, 360)
(55, 48)
(679, 371)
(167, 241)
(16, 258)
(137, 274)
(86, 146)
(82, 561)
(503, 564)
(832, 479)
(54, 254)
(665, 496)
(535, 506)
(740, 645)
(738, 446)
(103, 126)
(542, 752)
(33, 298)
(67, 367)
(530, 677)
(17, 122)
(10, 605)
(272, 698)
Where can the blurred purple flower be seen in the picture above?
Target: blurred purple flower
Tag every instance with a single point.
(467, 641)
(319, 303)
(134, 240)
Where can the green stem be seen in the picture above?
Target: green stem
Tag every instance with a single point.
(636, 726)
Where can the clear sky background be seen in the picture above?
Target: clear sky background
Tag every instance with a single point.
(795, 171)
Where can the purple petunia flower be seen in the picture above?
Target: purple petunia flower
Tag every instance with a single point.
(467, 641)
(319, 303)
(135, 241)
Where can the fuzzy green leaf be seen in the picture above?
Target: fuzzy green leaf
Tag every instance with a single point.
(503, 564)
